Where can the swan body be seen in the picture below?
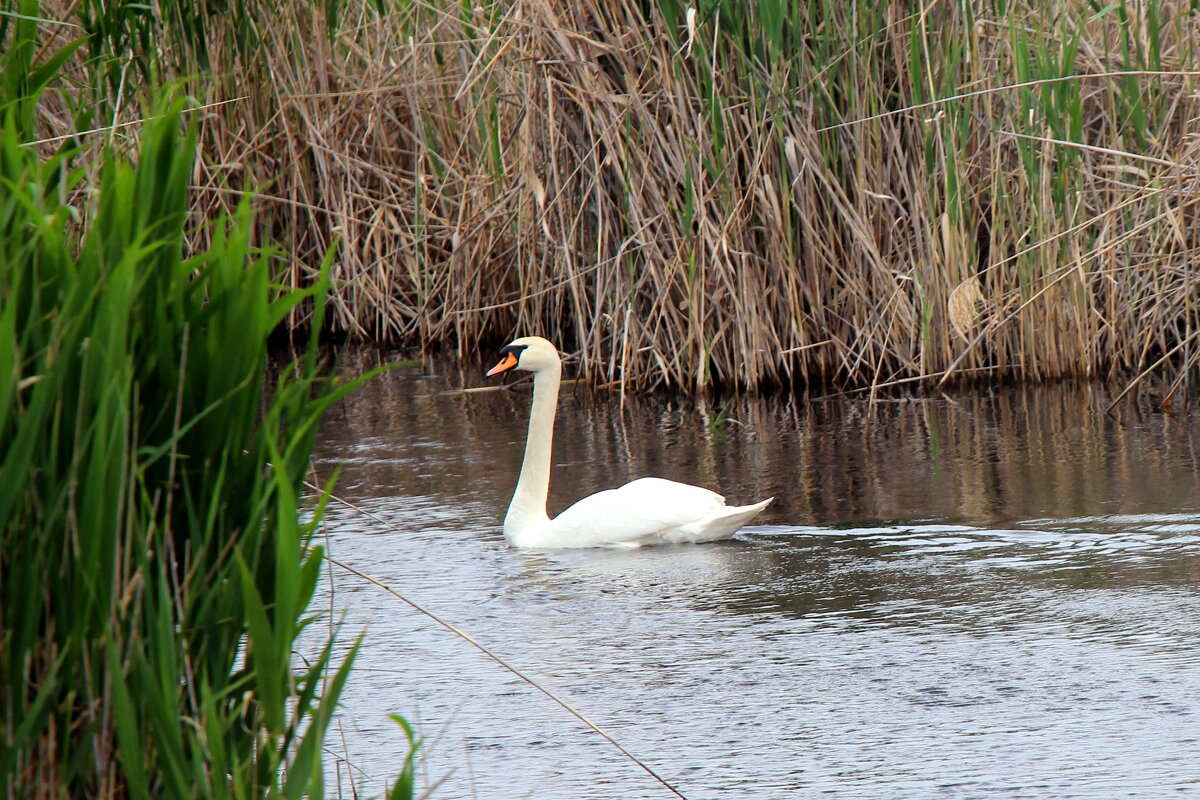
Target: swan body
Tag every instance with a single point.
(642, 512)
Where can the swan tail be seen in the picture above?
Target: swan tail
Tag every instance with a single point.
(720, 524)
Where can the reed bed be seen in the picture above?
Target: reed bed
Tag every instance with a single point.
(153, 580)
(779, 193)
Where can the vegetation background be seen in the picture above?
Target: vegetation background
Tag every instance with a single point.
(773, 193)
(786, 192)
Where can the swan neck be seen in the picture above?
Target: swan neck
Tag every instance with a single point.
(528, 508)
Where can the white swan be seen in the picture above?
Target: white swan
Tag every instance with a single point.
(645, 511)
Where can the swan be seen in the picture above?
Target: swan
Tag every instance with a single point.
(642, 512)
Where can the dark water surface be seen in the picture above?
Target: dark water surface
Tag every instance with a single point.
(989, 595)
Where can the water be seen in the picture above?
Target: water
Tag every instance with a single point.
(981, 596)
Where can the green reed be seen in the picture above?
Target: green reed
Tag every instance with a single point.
(154, 576)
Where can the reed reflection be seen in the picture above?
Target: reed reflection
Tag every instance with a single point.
(985, 457)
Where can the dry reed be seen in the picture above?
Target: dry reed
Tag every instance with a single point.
(791, 201)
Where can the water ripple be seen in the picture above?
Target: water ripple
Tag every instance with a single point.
(858, 662)
(990, 597)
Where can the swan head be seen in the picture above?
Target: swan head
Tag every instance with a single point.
(529, 353)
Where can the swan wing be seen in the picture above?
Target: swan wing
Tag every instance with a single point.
(645, 511)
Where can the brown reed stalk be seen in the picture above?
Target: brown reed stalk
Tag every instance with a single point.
(698, 208)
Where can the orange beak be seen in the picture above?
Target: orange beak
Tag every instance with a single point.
(508, 362)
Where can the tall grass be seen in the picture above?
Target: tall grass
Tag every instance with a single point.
(677, 205)
(779, 193)
(152, 576)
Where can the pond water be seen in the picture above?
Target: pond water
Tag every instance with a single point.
(985, 595)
